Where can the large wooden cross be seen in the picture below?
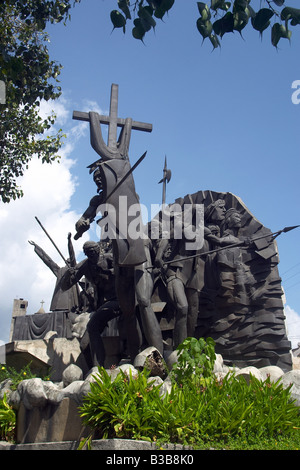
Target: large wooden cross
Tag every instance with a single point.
(113, 120)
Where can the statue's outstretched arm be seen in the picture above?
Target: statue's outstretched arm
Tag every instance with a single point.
(83, 224)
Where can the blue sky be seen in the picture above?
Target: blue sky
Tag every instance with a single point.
(224, 119)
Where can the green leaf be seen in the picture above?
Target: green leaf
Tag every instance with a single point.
(138, 32)
(220, 4)
(147, 20)
(292, 14)
(240, 5)
(224, 25)
(117, 19)
(204, 11)
(204, 28)
(163, 8)
(240, 20)
(279, 31)
(124, 6)
(261, 21)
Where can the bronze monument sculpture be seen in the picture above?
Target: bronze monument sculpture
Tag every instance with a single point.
(227, 287)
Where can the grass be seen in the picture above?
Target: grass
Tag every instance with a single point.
(252, 443)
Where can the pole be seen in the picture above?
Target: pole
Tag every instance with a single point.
(233, 245)
(125, 176)
(52, 241)
(165, 179)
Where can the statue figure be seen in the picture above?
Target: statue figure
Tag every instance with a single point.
(225, 268)
(143, 285)
(98, 269)
(117, 185)
(214, 214)
(225, 274)
(139, 278)
(181, 278)
(234, 275)
(113, 166)
(221, 230)
(83, 224)
(68, 300)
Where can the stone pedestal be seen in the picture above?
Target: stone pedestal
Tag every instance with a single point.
(52, 423)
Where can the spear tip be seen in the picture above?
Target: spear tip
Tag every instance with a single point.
(288, 229)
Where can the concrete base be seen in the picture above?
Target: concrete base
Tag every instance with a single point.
(52, 423)
(103, 444)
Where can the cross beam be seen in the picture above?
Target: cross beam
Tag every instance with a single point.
(136, 125)
(112, 120)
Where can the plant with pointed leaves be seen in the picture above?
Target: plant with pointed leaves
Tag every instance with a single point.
(7, 420)
(144, 14)
(217, 17)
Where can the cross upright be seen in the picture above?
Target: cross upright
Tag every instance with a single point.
(113, 122)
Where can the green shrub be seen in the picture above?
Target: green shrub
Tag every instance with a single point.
(7, 420)
(16, 376)
(7, 414)
(200, 407)
(196, 357)
(123, 408)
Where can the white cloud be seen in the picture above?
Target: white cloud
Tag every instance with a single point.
(59, 108)
(292, 325)
(47, 193)
(90, 105)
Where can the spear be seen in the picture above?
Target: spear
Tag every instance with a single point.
(56, 247)
(165, 179)
(79, 234)
(284, 230)
(233, 245)
(126, 176)
(52, 241)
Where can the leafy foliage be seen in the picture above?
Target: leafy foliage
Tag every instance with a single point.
(7, 420)
(195, 357)
(16, 376)
(216, 18)
(200, 407)
(123, 408)
(7, 414)
(29, 76)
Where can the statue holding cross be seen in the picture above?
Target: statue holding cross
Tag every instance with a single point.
(113, 176)
(114, 167)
